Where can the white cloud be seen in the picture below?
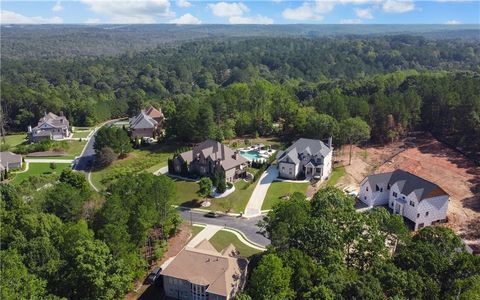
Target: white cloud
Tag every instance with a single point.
(187, 19)
(57, 7)
(183, 3)
(453, 22)
(10, 17)
(309, 10)
(364, 13)
(131, 11)
(224, 9)
(350, 21)
(398, 6)
(250, 20)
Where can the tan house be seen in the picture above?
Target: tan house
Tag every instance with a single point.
(50, 127)
(9, 160)
(209, 156)
(147, 124)
(203, 273)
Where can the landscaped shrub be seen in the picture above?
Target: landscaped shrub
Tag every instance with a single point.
(42, 146)
(171, 168)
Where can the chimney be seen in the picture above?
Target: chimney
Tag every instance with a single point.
(29, 128)
(235, 155)
(61, 113)
(330, 142)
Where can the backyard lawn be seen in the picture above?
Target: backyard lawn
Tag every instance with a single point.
(337, 173)
(74, 149)
(149, 159)
(223, 238)
(279, 189)
(36, 169)
(14, 139)
(81, 133)
(269, 141)
(187, 196)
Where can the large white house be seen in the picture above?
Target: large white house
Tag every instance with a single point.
(413, 197)
(308, 158)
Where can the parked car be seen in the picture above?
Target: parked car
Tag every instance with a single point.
(212, 214)
(153, 276)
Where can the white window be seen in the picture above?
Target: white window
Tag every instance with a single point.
(412, 203)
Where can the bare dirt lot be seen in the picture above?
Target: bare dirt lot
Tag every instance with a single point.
(426, 157)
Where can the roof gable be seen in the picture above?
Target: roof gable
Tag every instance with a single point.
(305, 147)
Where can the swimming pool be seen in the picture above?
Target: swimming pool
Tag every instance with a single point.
(250, 155)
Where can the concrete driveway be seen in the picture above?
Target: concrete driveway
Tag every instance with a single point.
(254, 205)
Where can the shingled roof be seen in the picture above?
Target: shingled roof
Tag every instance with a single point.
(304, 146)
(407, 183)
(53, 120)
(203, 265)
(216, 151)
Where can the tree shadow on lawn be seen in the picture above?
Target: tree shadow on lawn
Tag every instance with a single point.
(194, 203)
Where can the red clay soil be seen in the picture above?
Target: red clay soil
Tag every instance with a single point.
(454, 173)
(426, 157)
(175, 244)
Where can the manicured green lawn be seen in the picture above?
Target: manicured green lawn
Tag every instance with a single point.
(14, 139)
(81, 133)
(278, 190)
(269, 141)
(223, 238)
(187, 196)
(335, 176)
(74, 149)
(148, 159)
(38, 168)
(196, 230)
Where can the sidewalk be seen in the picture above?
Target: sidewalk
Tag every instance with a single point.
(254, 205)
(207, 233)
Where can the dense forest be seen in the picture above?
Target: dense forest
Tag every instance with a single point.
(300, 86)
(58, 245)
(62, 41)
(324, 249)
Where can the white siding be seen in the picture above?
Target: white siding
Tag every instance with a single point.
(288, 170)
(327, 165)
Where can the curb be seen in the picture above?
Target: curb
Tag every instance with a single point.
(242, 237)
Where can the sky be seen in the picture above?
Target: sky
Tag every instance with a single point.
(451, 12)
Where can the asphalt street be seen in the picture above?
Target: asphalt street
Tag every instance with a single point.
(247, 226)
(85, 161)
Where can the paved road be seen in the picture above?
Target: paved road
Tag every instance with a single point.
(247, 226)
(88, 156)
(254, 205)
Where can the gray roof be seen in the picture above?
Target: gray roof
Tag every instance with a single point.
(305, 146)
(142, 121)
(7, 157)
(407, 183)
(217, 152)
(53, 120)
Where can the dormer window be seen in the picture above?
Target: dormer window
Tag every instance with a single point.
(377, 188)
(388, 187)
(366, 189)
